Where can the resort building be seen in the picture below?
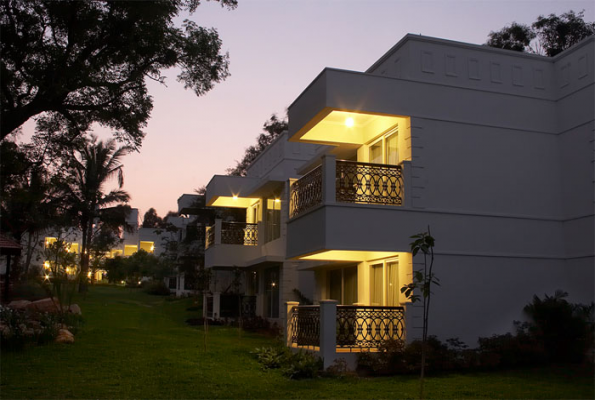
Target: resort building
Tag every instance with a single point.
(492, 149)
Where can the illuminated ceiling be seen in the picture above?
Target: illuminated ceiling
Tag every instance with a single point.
(349, 255)
(347, 127)
(232, 201)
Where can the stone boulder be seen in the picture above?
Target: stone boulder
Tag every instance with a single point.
(45, 305)
(75, 309)
(64, 336)
(19, 304)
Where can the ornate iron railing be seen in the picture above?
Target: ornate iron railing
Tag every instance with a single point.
(359, 182)
(210, 236)
(304, 325)
(369, 327)
(306, 192)
(239, 233)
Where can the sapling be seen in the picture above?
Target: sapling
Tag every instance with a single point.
(422, 283)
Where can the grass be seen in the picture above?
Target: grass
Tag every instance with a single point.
(137, 346)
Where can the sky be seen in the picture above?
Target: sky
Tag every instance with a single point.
(276, 48)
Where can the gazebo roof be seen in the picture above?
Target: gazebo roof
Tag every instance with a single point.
(9, 246)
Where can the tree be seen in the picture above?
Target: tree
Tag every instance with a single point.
(152, 220)
(516, 37)
(89, 206)
(558, 33)
(70, 64)
(553, 34)
(422, 282)
(272, 129)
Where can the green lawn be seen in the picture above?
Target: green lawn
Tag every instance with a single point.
(137, 346)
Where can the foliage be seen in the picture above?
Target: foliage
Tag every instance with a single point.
(515, 37)
(157, 288)
(553, 34)
(62, 274)
(72, 64)
(299, 365)
(272, 129)
(89, 206)
(564, 329)
(272, 357)
(152, 220)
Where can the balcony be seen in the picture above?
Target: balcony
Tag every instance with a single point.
(231, 244)
(355, 182)
(331, 329)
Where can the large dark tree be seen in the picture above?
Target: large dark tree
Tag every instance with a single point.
(152, 220)
(272, 129)
(553, 34)
(74, 63)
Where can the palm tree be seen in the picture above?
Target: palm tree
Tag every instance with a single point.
(89, 171)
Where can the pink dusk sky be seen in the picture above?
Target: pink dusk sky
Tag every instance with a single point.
(276, 48)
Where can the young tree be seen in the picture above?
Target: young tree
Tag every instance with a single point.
(272, 129)
(422, 283)
(553, 34)
(88, 205)
(73, 63)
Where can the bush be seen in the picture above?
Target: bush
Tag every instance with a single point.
(565, 330)
(302, 365)
(298, 365)
(157, 288)
(27, 290)
(22, 327)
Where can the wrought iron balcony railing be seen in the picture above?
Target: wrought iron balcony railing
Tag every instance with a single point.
(242, 233)
(357, 327)
(306, 192)
(367, 183)
(355, 182)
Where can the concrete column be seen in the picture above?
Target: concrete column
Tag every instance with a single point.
(406, 183)
(216, 305)
(288, 332)
(328, 331)
(329, 179)
(217, 227)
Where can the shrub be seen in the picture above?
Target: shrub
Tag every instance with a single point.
(564, 329)
(272, 357)
(157, 288)
(302, 365)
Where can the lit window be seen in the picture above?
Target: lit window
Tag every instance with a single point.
(49, 241)
(149, 247)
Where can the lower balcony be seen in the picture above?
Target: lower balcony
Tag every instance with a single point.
(333, 330)
(230, 244)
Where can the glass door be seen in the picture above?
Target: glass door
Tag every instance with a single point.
(392, 284)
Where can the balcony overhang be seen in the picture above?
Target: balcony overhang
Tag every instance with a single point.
(348, 255)
(230, 191)
(343, 108)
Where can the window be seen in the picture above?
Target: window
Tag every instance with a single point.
(271, 282)
(273, 220)
(392, 280)
(385, 150)
(49, 241)
(147, 246)
(376, 287)
(73, 248)
(343, 285)
(130, 250)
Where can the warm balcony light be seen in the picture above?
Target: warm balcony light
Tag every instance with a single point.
(277, 200)
(47, 277)
(46, 265)
(349, 122)
(89, 274)
(235, 197)
(273, 284)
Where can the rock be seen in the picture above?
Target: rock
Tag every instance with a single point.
(64, 336)
(19, 304)
(75, 309)
(45, 305)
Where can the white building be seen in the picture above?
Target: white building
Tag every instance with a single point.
(492, 149)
